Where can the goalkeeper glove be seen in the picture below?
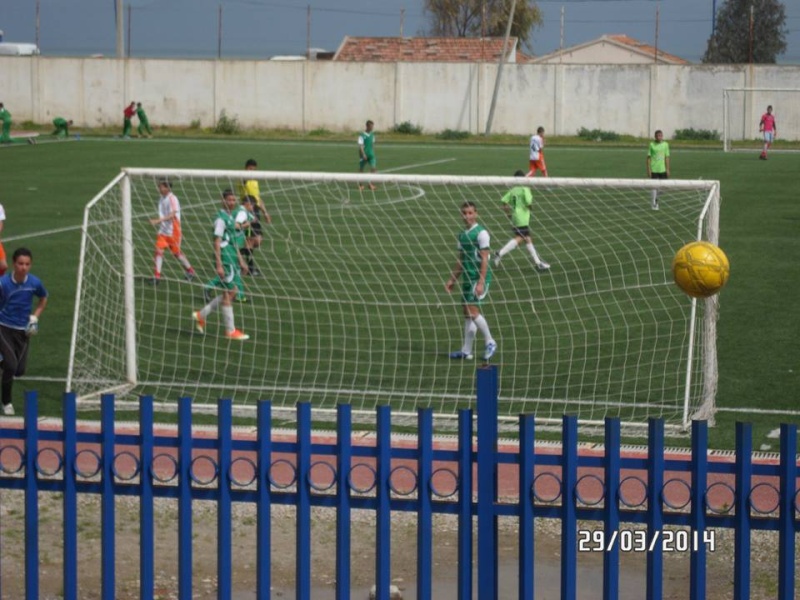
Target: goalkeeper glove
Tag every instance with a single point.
(33, 326)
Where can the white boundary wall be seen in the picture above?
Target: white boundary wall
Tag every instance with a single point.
(628, 99)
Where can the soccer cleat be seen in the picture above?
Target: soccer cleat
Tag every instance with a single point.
(491, 348)
(496, 259)
(762, 156)
(8, 409)
(189, 275)
(31, 141)
(242, 299)
(237, 335)
(199, 322)
(459, 355)
(207, 295)
(542, 266)
(655, 204)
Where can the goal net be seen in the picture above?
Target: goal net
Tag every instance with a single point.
(350, 305)
(742, 109)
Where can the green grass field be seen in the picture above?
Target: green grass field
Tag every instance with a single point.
(44, 189)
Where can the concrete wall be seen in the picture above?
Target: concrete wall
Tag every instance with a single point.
(628, 99)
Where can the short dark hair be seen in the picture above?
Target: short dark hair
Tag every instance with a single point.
(469, 203)
(540, 130)
(250, 199)
(251, 162)
(21, 252)
(659, 131)
(519, 173)
(165, 182)
(227, 192)
(370, 123)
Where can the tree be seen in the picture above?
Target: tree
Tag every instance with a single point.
(473, 18)
(731, 41)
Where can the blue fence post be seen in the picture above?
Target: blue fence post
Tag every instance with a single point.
(697, 517)
(741, 533)
(264, 508)
(107, 500)
(569, 518)
(303, 518)
(31, 496)
(383, 516)
(146, 502)
(786, 532)
(344, 453)
(70, 449)
(185, 498)
(527, 455)
(425, 507)
(487, 482)
(465, 504)
(611, 508)
(224, 537)
(655, 507)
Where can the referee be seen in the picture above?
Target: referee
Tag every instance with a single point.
(17, 321)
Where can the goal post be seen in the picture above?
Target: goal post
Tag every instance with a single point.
(350, 305)
(741, 114)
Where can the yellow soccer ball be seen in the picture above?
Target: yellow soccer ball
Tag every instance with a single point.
(701, 269)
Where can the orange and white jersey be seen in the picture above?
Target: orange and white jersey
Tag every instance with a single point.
(537, 145)
(169, 205)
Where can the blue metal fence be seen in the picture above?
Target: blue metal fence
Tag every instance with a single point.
(23, 467)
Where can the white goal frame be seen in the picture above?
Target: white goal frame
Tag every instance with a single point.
(742, 125)
(707, 227)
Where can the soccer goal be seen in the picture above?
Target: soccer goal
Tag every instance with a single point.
(351, 304)
(742, 109)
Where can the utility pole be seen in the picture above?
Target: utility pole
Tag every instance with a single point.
(219, 32)
(500, 67)
(713, 17)
(128, 41)
(308, 33)
(561, 39)
(402, 20)
(751, 34)
(37, 23)
(655, 56)
(120, 32)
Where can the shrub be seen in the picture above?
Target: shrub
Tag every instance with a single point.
(696, 134)
(227, 125)
(598, 135)
(452, 134)
(407, 128)
(319, 132)
(195, 124)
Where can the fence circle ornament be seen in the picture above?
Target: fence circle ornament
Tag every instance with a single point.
(354, 487)
(796, 497)
(154, 472)
(242, 482)
(89, 473)
(537, 497)
(136, 466)
(317, 487)
(197, 478)
(622, 497)
(667, 503)
(393, 487)
(45, 471)
(581, 499)
(753, 504)
(6, 467)
(725, 508)
(274, 482)
(436, 491)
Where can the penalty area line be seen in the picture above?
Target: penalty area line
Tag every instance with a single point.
(425, 164)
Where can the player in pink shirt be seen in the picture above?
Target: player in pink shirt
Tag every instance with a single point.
(769, 128)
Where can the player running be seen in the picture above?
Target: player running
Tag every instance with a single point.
(169, 231)
(517, 205)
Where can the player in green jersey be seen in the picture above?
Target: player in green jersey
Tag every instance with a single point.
(144, 123)
(5, 117)
(366, 152)
(517, 204)
(243, 218)
(657, 163)
(473, 268)
(229, 266)
(62, 127)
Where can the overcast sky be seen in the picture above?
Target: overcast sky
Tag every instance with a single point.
(262, 28)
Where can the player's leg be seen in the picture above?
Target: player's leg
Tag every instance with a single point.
(175, 248)
(654, 192)
(230, 263)
(3, 261)
(470, 329)
(510, 245)
(9, 349)
(537, 260)
(161, 244)
(483, 326)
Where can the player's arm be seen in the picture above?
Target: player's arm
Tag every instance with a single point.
(454, 275)
(666, 164)
(480, 286)
(40, 306)
(167, 217)
(647, 162)
(506, 200)
(361, 152)
(242, 262)
(218, 256)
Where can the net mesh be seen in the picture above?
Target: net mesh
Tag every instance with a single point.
(350, 306)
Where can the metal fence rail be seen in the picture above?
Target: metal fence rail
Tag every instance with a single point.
(38, 460)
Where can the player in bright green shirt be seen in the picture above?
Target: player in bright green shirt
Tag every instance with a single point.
(366, 152)
(517, 204)
(473, 268)
(62, 127)
(657, 163)
(229, 265)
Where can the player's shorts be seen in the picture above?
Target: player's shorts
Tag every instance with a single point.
(2, 252)
(230, 265)
(370, 160)
(769, 136)
(468, 295)
(538, 165)
(659, 175)
(173, 242)
(522, 231)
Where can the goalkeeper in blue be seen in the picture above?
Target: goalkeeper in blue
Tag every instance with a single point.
(18, 321)
(473, 268)
(517, 204)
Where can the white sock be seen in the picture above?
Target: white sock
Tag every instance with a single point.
(159, 263)
(227, 318)
(210, 307)
(469, 335)
(481, 324)
(508, 247)
(184, 261)
(533, 253)
(655, 196)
